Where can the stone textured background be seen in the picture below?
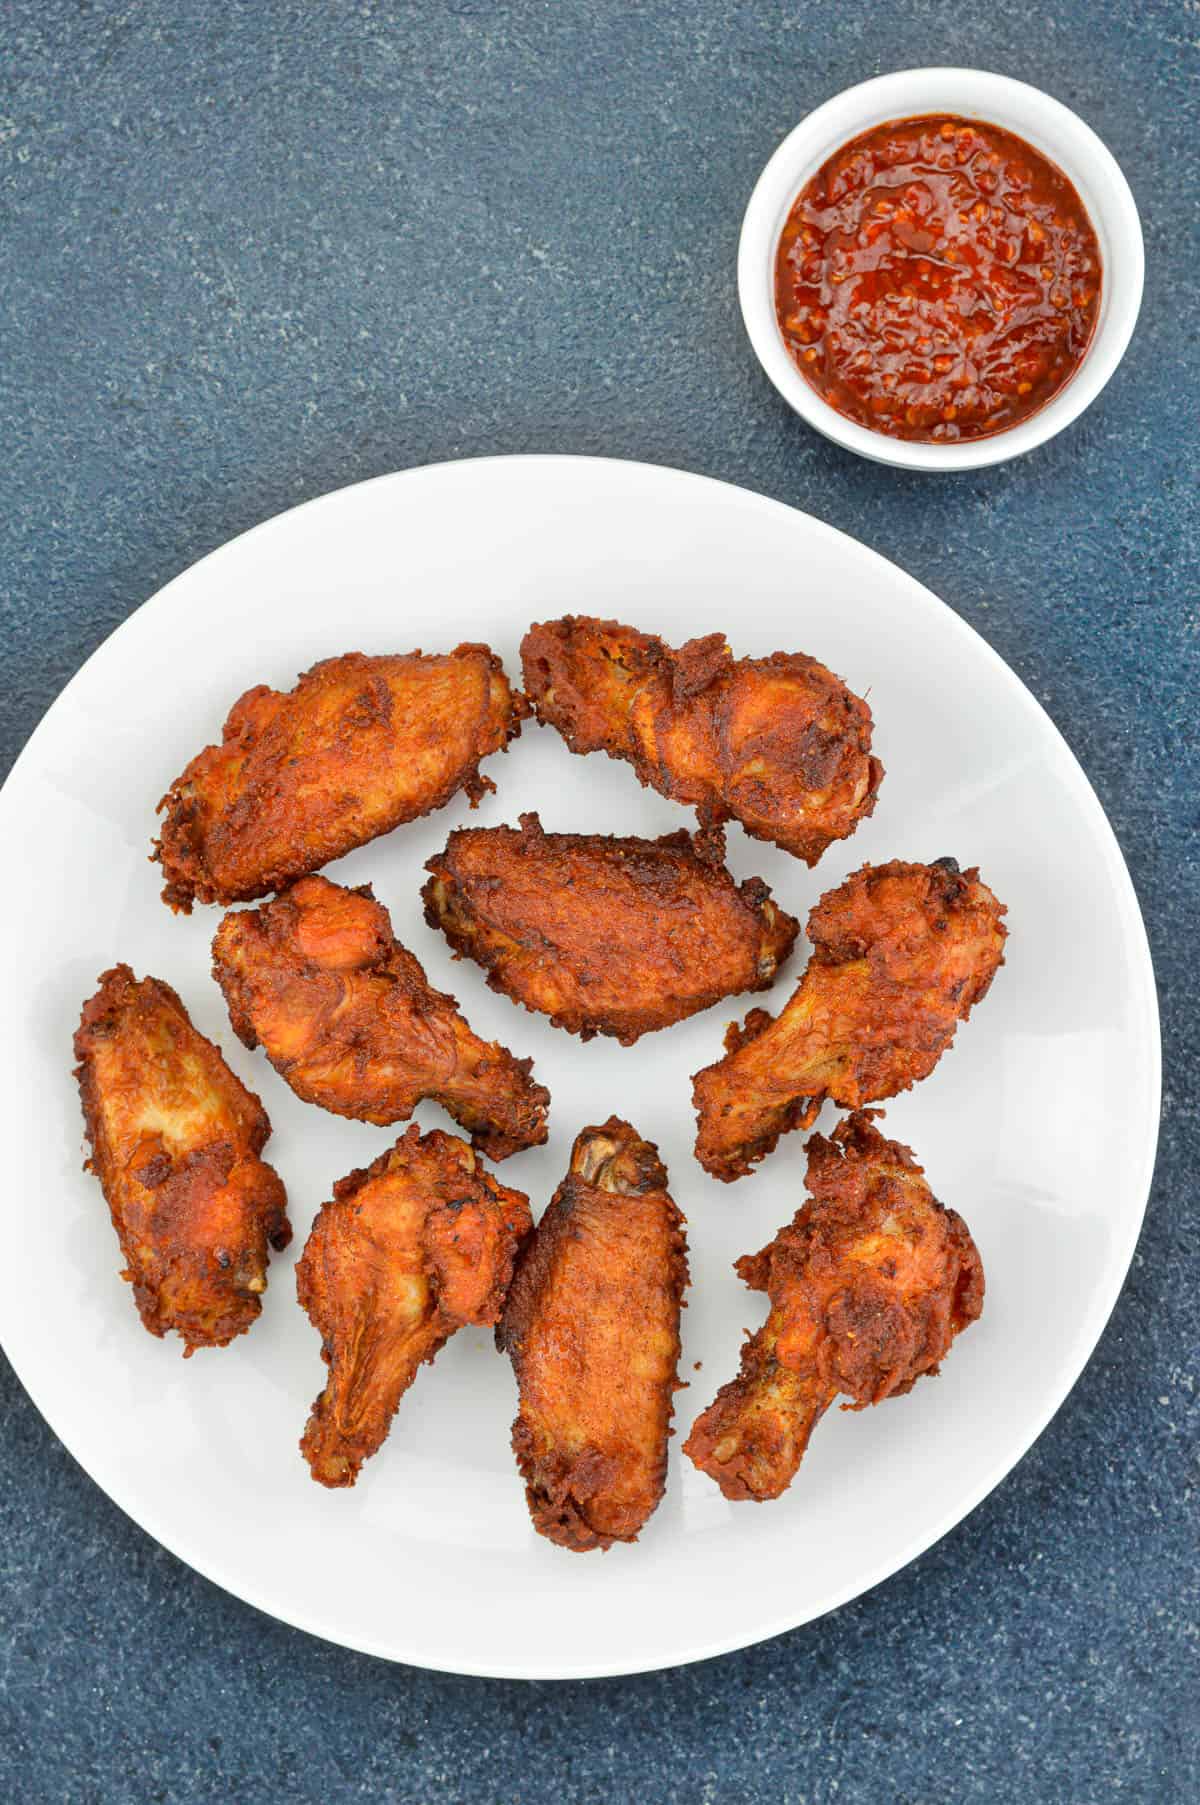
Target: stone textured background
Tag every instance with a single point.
(252, 252)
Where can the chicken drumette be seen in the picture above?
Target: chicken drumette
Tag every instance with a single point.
(592, 1326)
(347, 1017)
(869, 1284)
(779, 744)
(901, 954)
(410, 1250)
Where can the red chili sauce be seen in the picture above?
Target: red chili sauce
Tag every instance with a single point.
(937, 279)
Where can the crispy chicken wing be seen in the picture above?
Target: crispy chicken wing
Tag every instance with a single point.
(869, 1284)
(360, 745)
(175, 1142)
(420, 1243)
(901, 954)
(779, 744)
(592, 1326)
(348, 1018)
(604, 935)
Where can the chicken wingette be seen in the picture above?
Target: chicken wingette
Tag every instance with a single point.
(301, 777)
(604, 935)
(592, 1327)
(175, 1140)
(347, 1017)
(779, 744)
(869, 1284)
(900, 955)
(408, 1251)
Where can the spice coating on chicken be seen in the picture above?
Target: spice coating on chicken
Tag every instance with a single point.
(301, 777)
(175, 1140)
(592, 1327)
(408, 1251)
(901, 954)
(869, 1284)
(779, 744)
(605, 935)
(349, 1020)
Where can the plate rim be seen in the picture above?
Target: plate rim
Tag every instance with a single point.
(1094, 1321)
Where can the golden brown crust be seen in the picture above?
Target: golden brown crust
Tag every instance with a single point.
(175, 1140)
(901, 954)
(408, 1251)
(605, 935)
(360, 745)
(869, 1284)
(347, 1017)
(592, 1327)
(779, 744)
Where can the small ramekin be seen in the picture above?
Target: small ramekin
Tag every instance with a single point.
(1046, 124)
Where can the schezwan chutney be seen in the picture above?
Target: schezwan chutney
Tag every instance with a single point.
(938, 279)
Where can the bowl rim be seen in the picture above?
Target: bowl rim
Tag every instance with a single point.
(1042, 121)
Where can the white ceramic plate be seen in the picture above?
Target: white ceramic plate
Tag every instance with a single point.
(1039, 1126)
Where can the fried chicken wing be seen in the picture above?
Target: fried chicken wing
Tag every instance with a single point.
(347, 1017)
(869, 1284)
(420, 1243)
(779, 744)
(901, 954)
(359, 746)
(604, 935)
(175, 1142)
(592, 1327)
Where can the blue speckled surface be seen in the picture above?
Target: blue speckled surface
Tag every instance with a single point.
(251, 259)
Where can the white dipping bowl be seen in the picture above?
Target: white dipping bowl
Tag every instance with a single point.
(1050, 128)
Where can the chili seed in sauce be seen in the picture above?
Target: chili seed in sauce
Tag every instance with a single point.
(937, 279)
